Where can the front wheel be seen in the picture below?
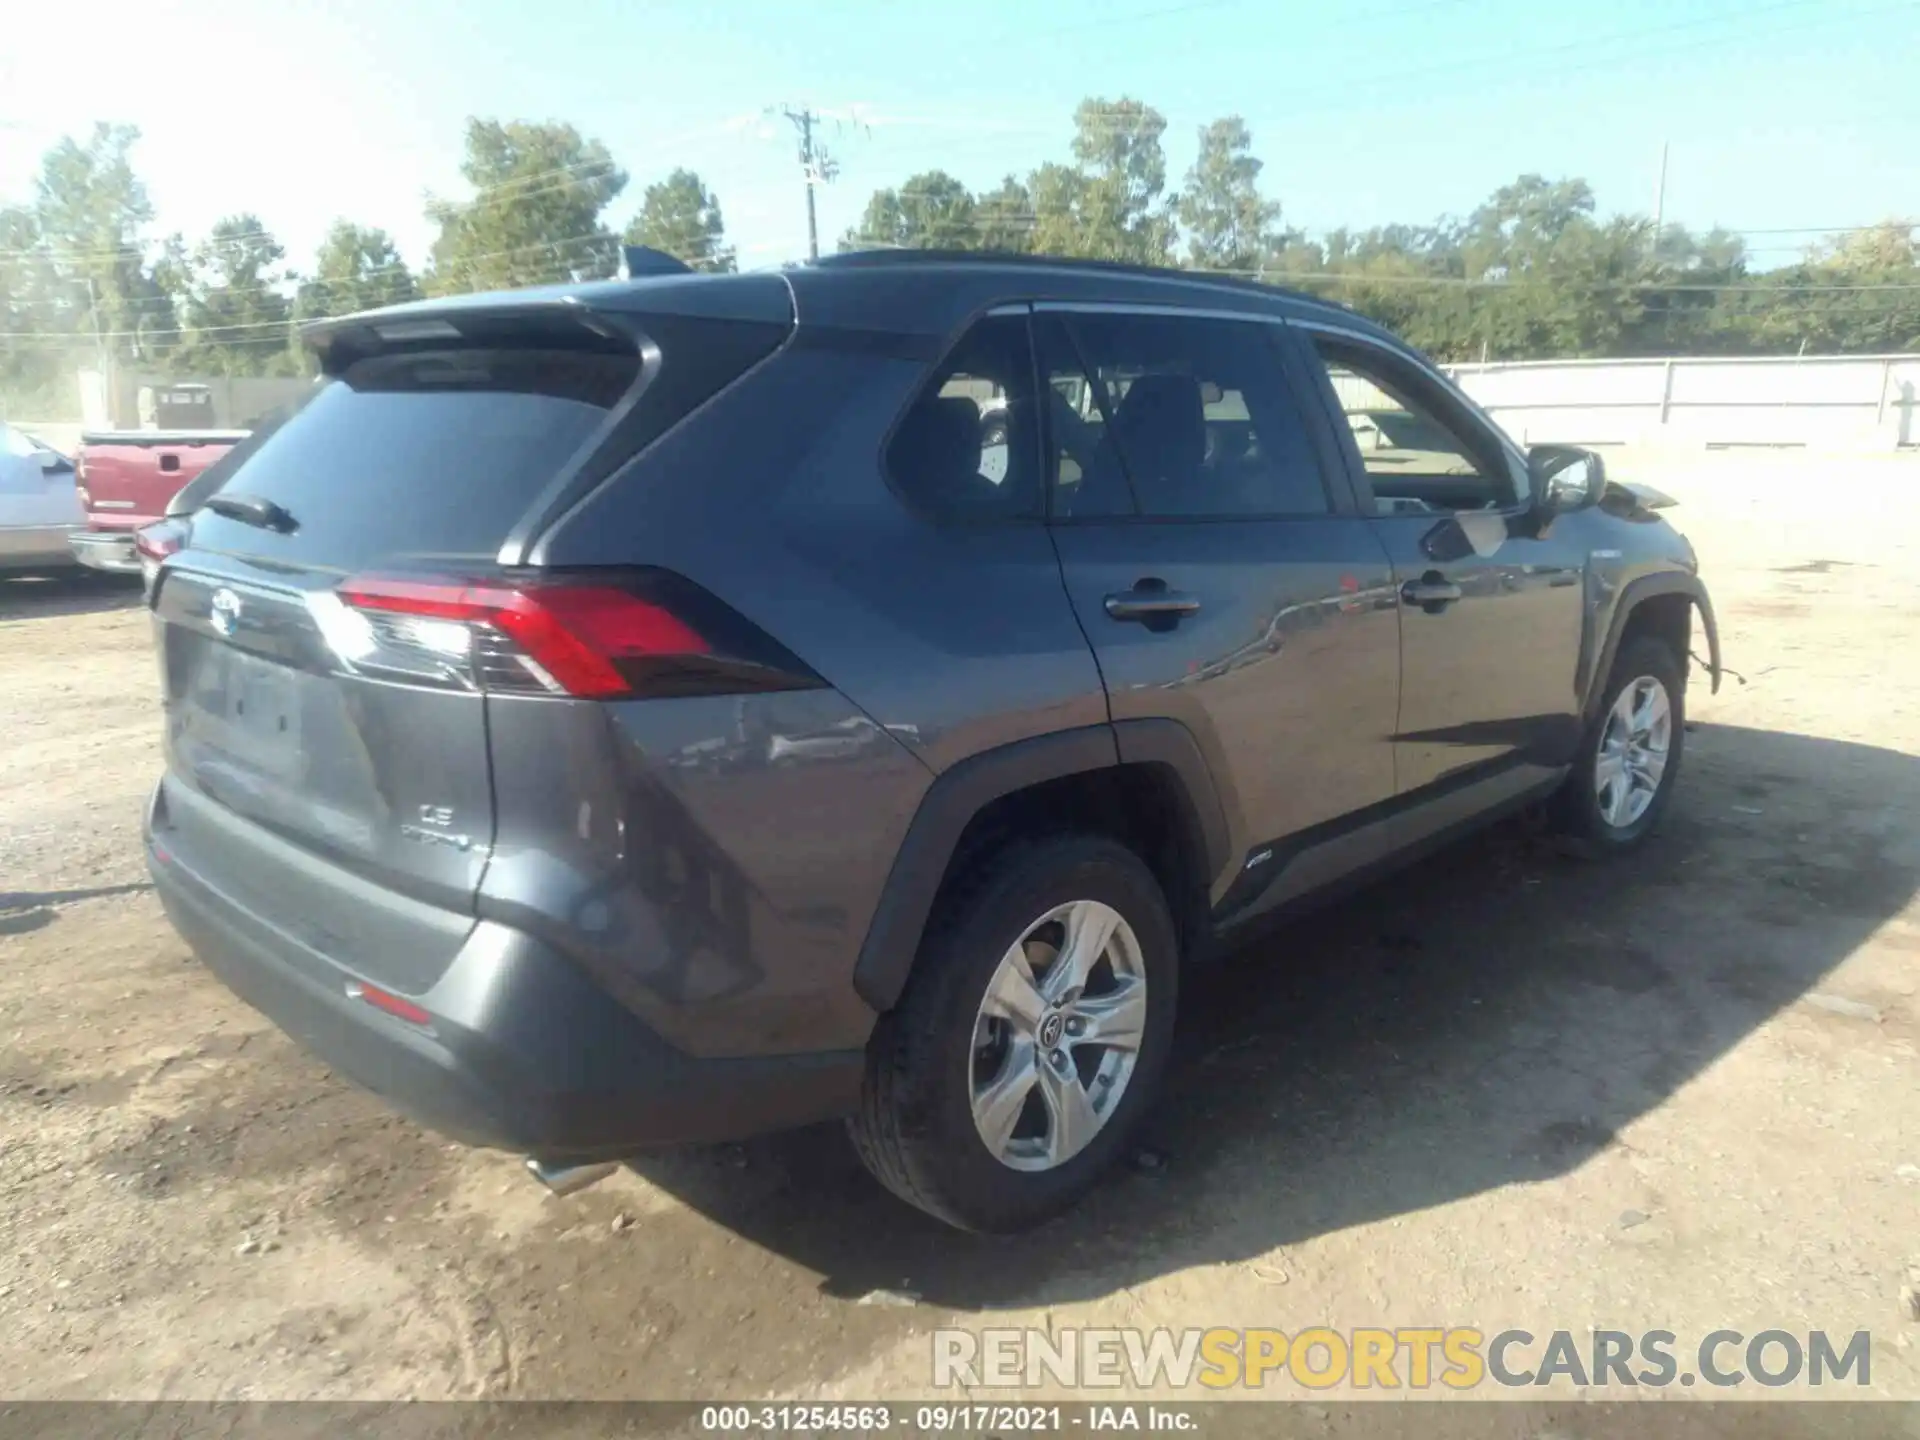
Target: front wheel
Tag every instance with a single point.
(1630, 757)
(1030, 1038)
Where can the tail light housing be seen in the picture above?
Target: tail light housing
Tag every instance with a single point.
(157, 541)
(597, 636)
(154, 543)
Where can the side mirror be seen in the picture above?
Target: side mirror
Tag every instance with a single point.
(1565, 478)
(52, 462)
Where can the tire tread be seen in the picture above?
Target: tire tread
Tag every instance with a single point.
(1572, 810)
(891, 1135)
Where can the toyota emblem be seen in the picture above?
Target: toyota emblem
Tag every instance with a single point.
(223, 612)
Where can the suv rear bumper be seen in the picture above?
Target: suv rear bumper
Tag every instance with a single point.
(520, 1050)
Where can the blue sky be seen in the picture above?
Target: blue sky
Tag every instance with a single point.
(1784, 116)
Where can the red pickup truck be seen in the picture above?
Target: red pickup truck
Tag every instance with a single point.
(126, 478)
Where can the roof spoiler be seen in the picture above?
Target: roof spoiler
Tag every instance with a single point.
(639, 260)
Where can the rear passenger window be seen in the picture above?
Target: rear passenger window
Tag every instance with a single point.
(968, 447)
(1174, 417)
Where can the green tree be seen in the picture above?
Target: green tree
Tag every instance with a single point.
(1556, 280)
(1058, 194)
(1533, 271)
(681, 217)
(37, 349)
(932, 211)
(1518, 227)
(1003, 218)
(91, 281)
(1228, 225)
(238, 312)
(1875, 303)
(1109, 207)
(355, 269)
(535, 217)
(1859, 294)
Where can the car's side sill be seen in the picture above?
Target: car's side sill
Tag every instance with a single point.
(1343, 854)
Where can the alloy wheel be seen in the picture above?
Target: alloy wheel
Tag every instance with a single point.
(1057, 1036)
(1634, 745)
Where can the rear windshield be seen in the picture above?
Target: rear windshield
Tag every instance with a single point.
(423, 454)
(436, 454)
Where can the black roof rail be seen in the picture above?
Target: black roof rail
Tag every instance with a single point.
(883, 259)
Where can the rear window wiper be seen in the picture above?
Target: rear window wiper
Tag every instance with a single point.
(253, 510)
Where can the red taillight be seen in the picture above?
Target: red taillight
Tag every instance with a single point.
(157, 541)
(394, 1005)
(575, 635)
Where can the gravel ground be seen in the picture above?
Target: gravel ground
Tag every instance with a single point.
(1504, 1088)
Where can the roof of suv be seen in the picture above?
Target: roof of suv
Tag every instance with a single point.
(911, 292)
(1027, 266)
(929, 291)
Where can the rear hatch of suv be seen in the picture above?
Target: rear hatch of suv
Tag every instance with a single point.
(347, 602)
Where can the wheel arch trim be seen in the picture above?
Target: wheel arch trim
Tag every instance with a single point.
(964, 789)
(1635, 594)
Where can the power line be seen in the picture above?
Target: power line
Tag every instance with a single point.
(66, 341)
(819, 167)
(1277, 277)
(1020, 220)
(480, 191)
(158, 302)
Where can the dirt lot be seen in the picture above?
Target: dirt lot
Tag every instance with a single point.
(1506, 1088)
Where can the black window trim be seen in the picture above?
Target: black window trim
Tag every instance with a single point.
(1342, 502)
(1452, 406)
(1050, 452)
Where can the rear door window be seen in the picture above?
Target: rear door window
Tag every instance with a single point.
(1175, 417)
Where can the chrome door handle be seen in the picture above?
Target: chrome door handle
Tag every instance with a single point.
(1431, 593)
(1151, 600)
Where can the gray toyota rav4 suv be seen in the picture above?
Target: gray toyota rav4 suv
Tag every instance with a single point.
(662, 711)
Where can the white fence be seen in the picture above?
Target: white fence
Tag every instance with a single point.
(1813, 401)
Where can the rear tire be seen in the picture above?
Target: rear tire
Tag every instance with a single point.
(986, 1007)
(1630, 754)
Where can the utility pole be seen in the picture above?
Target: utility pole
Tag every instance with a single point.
(103, 354)
(1660, 195)
(815, 164)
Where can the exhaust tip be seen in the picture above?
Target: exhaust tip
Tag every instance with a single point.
(569, 1179)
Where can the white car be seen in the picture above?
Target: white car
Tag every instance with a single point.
(39, 504)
